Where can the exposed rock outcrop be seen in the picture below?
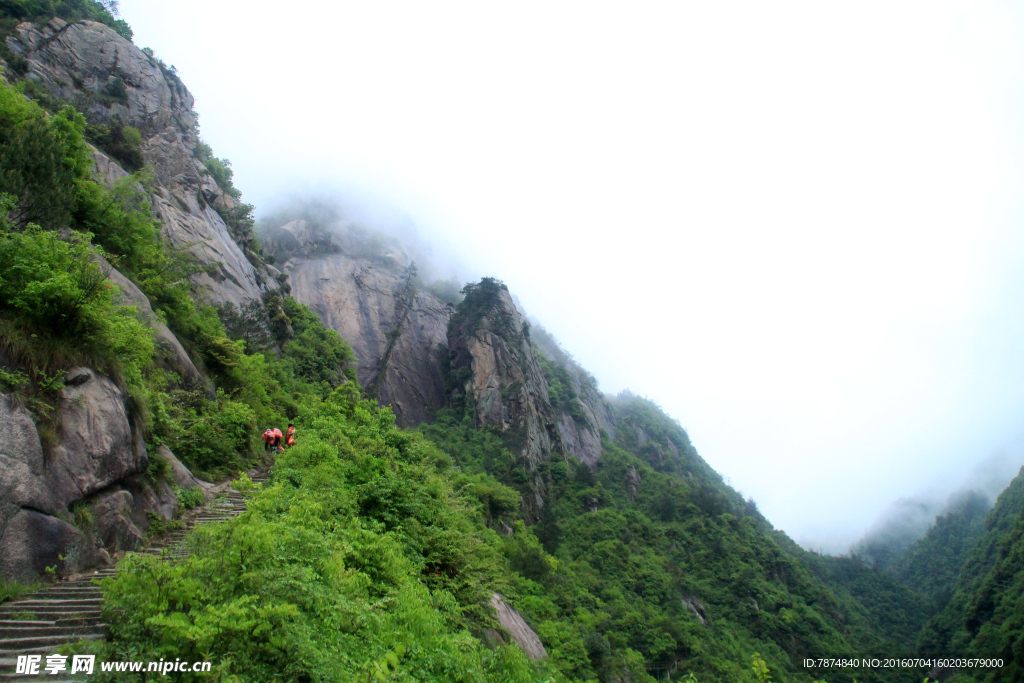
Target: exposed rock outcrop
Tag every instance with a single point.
(580, 438)
(633, 481)
(398, 334)
(97, 443)
(517, 628)
(97, 464)
(501, 379)
(106, 76)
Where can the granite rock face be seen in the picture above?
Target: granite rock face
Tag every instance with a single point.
(97, 443)
(502, 382)
(399, 335)
(97, 447)
(106, 76)
(517, 628)
(32, 541)
(97, 464)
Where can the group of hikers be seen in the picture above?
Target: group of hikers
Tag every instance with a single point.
(274, 440)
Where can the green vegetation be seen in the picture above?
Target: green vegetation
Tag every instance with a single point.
(561, 392)
(11, 590)
(190, 498)
(39, 11)
(359, 553)
(983, 617)
(932, 564)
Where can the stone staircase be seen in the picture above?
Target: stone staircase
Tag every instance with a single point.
(69, 611)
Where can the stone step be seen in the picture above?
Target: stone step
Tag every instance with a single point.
(8, 633)
(60, 602)
(42, 613)
(72, 611)
(68, 587)
(20, 646)
(92, 618)
(71, 593)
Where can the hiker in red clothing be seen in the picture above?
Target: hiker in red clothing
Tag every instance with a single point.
(278, 438)
(289, 437)
(268, 439)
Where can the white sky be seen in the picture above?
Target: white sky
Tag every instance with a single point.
(794, 225)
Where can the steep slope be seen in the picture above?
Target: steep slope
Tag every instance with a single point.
(116, 85)
(642, 559)
(984, 615)
(932, 564)
(399, 334)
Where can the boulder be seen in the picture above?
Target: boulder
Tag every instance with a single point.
(31, 541)
(23, 472)
(97, 446)
(97, 462)
(150, 500)
(112, 516)
(517, 628)
(181, 475)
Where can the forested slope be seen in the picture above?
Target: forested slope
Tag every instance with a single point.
(985, 614)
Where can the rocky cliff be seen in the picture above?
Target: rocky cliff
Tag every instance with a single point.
(408, 344)
(84, 497)
(110, 80)
(399, 334)
(497, 375)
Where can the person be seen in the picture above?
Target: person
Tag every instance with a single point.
(289, 438)
(268, 439)
(278, 438)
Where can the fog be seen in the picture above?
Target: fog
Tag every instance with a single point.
(369, 231)
(907, 519)
(794, 225)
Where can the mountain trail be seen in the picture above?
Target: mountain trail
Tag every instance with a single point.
(71, 610)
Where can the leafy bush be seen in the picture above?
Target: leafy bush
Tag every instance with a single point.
(317, 354)
(40, 161)
(61, 306)
(210, 437)
(123, 143)
(191, 498)
(159, 468)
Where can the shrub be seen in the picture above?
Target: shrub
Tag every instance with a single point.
(359, 558)
(123, 143)
(61, 306)
(40, 160)
(210, 437)
(191, 498)
(317, 354)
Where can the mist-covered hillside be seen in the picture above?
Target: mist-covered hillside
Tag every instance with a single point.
(462, 503)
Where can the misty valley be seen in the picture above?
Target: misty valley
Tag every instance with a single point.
(450, 495)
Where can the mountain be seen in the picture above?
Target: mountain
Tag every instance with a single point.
(984, 616)
(463, 502)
